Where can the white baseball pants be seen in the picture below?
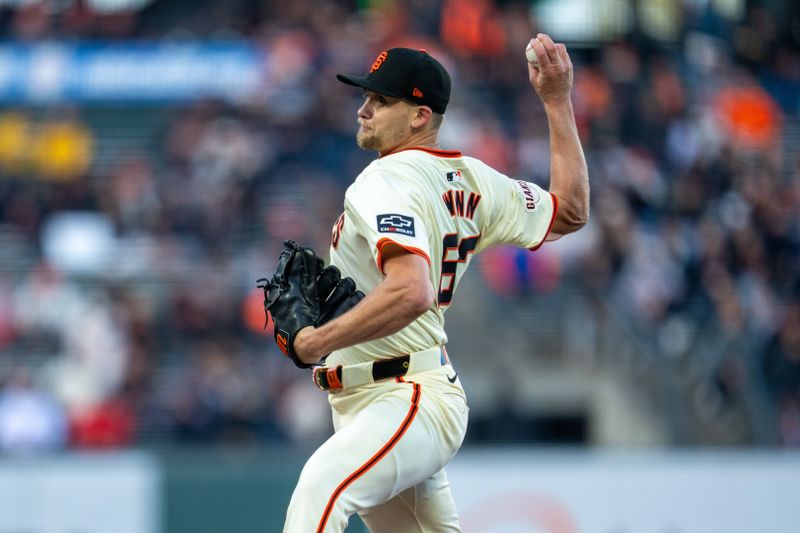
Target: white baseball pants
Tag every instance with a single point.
(386, 459)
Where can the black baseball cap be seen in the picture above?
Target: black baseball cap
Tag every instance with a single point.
(406, 73)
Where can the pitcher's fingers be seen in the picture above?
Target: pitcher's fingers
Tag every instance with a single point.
(563, 54)
(550, 47)
(541, 53)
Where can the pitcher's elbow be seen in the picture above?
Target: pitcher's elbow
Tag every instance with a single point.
(571, 218)
(422, 299)
(582, 218)
(414, 300)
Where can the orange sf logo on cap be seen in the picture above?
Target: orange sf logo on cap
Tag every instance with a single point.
(378, 62)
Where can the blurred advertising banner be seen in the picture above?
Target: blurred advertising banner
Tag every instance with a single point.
(101, 493)
(519, 491)
(58, 72)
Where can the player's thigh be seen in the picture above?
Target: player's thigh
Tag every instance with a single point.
(425, 508)
(388, 447)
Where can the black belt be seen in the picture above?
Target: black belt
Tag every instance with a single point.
(390, 368)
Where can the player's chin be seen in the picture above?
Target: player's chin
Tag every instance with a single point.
(366, 140)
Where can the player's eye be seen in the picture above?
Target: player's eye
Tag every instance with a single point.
(376, 98)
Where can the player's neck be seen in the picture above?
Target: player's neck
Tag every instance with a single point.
(427, 139)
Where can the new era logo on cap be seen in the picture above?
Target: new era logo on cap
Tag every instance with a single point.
(406, 73)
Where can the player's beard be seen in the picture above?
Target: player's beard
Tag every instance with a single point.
(368, 140)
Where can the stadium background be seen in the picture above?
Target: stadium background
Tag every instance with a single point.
(155, 153)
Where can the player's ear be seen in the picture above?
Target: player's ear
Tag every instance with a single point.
(422, 116)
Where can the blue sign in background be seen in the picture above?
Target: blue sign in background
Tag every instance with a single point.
(133, 72)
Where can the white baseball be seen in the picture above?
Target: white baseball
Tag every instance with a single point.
(530, 54)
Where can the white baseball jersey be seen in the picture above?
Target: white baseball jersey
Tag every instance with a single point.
(442, 206)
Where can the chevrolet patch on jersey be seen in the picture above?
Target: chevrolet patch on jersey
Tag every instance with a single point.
(393, 223)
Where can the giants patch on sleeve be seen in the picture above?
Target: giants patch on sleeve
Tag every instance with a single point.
(393, 223)
(529, 194)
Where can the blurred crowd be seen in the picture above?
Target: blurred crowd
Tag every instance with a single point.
(128, 308)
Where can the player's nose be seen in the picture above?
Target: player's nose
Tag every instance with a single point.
(364, 112)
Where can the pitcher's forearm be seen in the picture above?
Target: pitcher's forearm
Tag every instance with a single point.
(569, 177)
(387, 310)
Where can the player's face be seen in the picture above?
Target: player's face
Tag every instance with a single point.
(384, 122)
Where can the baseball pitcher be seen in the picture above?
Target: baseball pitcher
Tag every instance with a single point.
(371, 324)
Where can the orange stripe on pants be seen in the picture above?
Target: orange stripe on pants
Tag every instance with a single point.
(412, 412)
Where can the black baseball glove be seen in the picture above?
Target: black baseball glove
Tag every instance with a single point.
(337, 295)
(302, 292)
